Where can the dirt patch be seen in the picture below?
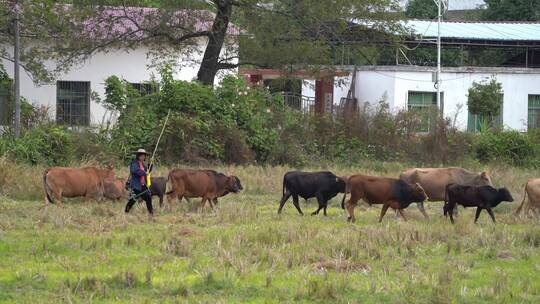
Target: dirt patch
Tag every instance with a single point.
(185, 231)
(341, 266)
(505, 255)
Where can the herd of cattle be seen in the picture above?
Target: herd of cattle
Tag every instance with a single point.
(454, 186)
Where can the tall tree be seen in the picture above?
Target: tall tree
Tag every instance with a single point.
(421, 9)
(512, 10)
(273, 33)
(38, 21)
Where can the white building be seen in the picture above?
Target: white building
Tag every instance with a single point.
(69, 97)
(398, 85)
(70, 100)
(405, 85)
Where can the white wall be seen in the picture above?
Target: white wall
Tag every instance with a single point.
(516, 85)
(371, 87)
(132, 66)
(308, 88)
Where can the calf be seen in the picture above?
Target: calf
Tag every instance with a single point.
(114, 188)
(322, 185)
(158, 188)
(435, 180)
(481, 197)
(389, 192)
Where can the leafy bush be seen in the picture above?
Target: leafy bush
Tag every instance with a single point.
(231, 123)
(509, 146)
(46, 144)
(234, 123)
(485, 98)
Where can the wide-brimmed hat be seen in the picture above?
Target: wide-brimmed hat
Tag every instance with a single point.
(141, 151)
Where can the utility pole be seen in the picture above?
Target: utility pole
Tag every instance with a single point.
(16, 72)
(440, 101)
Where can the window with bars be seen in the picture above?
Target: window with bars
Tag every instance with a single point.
(146, 88)
(424, 104)
(475, 121)
(533, 114)
(5, 106)
(73, 103)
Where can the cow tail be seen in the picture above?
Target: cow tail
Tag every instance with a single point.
(169, 182)
(523, 201)
(345, 194)
(46, 187)
(446, 203)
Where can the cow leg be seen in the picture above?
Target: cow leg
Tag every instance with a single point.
(451, 215)
(201, 205)
(211, 204)
(535, 210)
(421, 208)
(490, 212)
(160, 200)
(297, 204)
(285, 197)
(58, 196)
(172, 197)
(320, 202)
(316, 211)
(455, 211)
(383, 212)
(402, 214)
(350, 209)
(325, 206)
(478, 210)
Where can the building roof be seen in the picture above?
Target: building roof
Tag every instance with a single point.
(508, 31)
(456, 4)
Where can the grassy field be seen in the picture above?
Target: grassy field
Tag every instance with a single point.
(244, 252)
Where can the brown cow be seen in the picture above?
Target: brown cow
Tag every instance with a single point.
(532, 190)
(74, 182)
(390, 192)
(114, 188)
(207, 184)
(435, 180)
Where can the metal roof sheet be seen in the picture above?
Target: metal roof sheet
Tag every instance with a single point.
(510, 31)
(455, 4)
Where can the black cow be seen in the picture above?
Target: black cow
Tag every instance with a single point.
(322, 185)
(481, 197)
(158, 188)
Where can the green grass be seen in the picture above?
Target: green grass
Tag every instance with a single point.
(245, 252)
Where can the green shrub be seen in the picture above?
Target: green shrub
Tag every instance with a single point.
(45, 144)
(511, 147)
(234, 123)
(231, 123)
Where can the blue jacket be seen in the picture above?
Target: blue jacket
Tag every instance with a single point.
(136, 174)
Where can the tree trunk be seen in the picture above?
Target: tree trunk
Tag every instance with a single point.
(209, 65)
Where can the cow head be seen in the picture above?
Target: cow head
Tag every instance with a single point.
(418, 194)
(504, 195)
(234, 185)
(341, 184)
(483, 179)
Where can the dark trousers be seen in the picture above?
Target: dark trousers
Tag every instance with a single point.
(145, 195)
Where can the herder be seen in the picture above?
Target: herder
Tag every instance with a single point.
(138, 182)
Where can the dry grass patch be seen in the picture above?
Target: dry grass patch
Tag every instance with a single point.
(342, 266)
